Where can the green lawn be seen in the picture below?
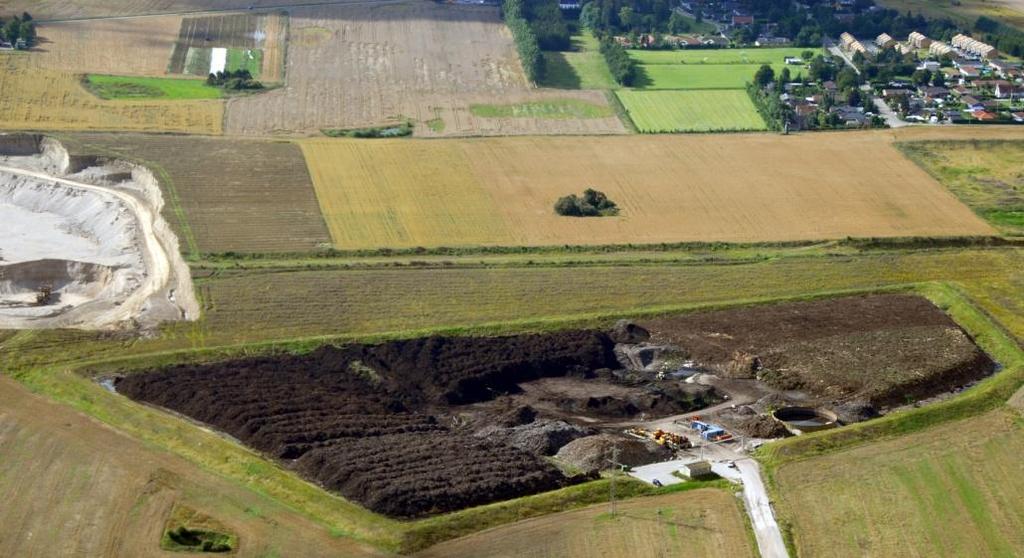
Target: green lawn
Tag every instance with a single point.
(699, 76)
(691, 111)
(555, 108)
(718, 56)
(127, 87)
(581, 68)
(245, 59)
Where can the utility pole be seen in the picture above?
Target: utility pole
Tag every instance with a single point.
(615, 473)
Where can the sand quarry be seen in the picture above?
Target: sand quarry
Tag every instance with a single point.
(84, 245)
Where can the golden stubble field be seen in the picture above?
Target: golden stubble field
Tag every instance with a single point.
(704, 522)
(358, 66)
(73, 487)
(41, 99)
(139, 46)
(738, 188)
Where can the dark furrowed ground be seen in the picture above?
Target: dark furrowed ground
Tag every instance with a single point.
(888, 349)
(224, 195)
(359, 420)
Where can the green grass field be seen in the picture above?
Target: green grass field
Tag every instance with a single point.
(555, 108)
(581, 68)
(952, 490)
(124, 87)
(691, 111)
(985, 175)
(709, 69)
(245, 59)
(699, 76)
(717, 56)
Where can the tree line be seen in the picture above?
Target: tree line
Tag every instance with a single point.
(237, 80)
(525, 39)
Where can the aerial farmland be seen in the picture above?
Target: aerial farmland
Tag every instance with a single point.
(511, 278)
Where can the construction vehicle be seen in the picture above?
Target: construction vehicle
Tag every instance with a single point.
(710, 432)
(45, 295)
(671, 440)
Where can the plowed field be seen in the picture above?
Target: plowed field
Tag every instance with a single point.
(362, 66)
(226, 195)
(406, 193)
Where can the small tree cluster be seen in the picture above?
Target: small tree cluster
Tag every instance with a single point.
(591, 204)
(622, 67)
(233, 80)
(22, 28)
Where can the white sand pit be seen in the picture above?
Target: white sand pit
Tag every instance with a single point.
(88, 250)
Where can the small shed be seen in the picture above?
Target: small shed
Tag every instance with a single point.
(697, 469)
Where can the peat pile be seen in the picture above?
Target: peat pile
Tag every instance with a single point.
(362, 420)
(884, 349)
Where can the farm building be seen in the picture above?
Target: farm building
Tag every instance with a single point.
(696, 470)
(884, 41)
(917, 40)
(974, 46)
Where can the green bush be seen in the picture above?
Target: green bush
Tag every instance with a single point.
(591, 204)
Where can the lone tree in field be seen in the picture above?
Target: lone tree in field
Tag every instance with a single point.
(591, 204)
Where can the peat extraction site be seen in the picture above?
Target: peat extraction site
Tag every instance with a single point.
(430, 425)
(84, 244)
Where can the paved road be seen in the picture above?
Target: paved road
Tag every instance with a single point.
(759, 508)
(831, 47)
(888, 114)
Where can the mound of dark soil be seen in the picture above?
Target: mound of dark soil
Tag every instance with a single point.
(886, 349)
(361, 419)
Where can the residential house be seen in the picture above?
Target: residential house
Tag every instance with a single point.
(938, 48)
(885, 41)
(917, 40)
(1007, 90)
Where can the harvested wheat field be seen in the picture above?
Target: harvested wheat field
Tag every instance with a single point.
(76, 9)
(73, 487)
(740, 188)
(357, 66)
(139, 46)
(225, 195)
(704, 522)
(38, 99)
